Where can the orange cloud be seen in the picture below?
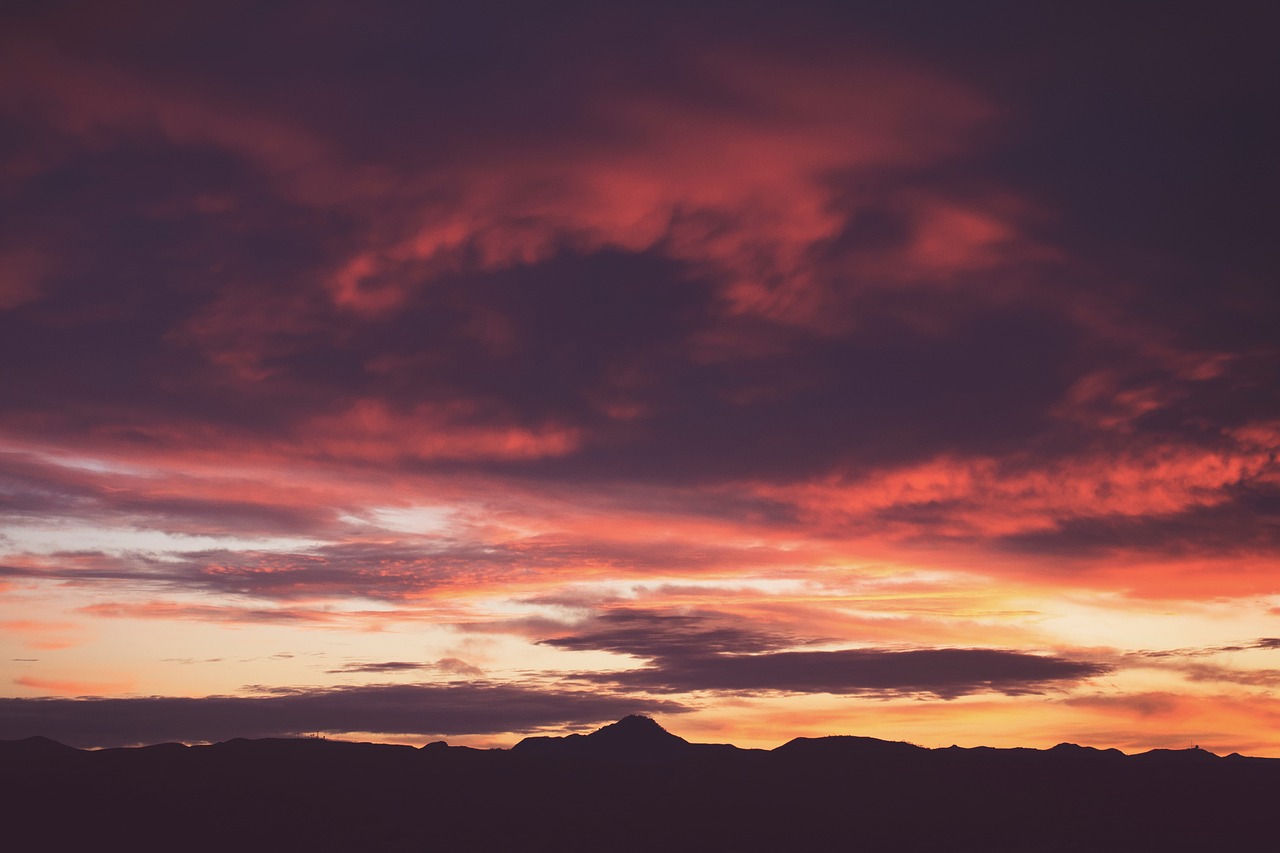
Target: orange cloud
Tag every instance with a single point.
(39, 634)
(74, 688)
(206, 612)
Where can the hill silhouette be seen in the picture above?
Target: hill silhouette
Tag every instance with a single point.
(632, 785)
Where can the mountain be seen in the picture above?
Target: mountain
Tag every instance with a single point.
(1168, 756)
(633, 739)
(632, 785)
(849, 748)
(35, 748)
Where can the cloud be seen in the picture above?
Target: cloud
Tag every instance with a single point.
(1191, 663)
(73, 688)
(1262, 644)
(454, 666)
(393, 572)
(381, 666)
(456, 708)
(709, 652)
(209, 613)
(940, 673)
(733, 180)
(21, 272)
(647, 634)
(36, 487)
(369, 429)
(506, 306)
(400, 567)
(40, 634)
(1234, 518)
(1202, 672)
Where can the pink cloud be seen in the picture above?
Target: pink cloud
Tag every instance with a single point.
(991, 497)
(42, 634)
(372, 430)
(96, 101)
(69, 687)
(746, 191)
(207, 613)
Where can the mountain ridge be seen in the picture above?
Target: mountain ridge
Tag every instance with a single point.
(638, 734)
(628, 786)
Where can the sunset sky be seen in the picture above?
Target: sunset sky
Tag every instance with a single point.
(469, 370)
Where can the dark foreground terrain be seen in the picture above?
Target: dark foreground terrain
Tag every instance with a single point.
(632, 786)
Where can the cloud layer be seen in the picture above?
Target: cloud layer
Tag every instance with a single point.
(396, 710)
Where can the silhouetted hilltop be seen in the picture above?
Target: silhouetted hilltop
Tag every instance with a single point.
(632, 739)
(1084, 751)
(633, 786)
(1168, 756)
(849, 747)
(34, 749)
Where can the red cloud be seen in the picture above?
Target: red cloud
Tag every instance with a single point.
(747, 190)
(94, 100)
(371, 430)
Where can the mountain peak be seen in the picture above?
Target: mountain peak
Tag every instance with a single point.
(635, 729)
(633, 738)
(36, 746)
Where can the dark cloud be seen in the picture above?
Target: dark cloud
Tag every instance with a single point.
(390, 568)
(941, 673)
(417, 709)
(1245, 521)
(887, 396)
(196, 226)
(1191, 662)
(1261, 644)
(381, 666)
(717, 652)
(1268, 678)
(31, 489)
(1151, 704)
(547, 336)
(388, 571)
(647, 634)
(456, 666)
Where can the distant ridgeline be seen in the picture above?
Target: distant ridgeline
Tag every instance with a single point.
(632, 786)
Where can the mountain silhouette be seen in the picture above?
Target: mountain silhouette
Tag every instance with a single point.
(632, 785)
(848, 747)
(634, 739)
(35, 749)
(636, 732)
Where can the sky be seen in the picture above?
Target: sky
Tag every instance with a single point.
(416, 371)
